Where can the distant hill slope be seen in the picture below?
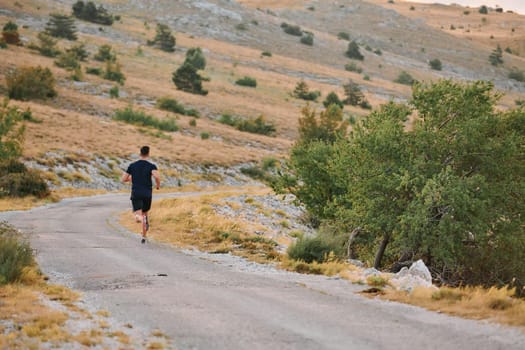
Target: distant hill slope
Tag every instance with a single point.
(233, 36)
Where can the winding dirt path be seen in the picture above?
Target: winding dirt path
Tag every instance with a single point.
(205, 304)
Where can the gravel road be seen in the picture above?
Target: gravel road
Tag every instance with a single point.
(219, 302)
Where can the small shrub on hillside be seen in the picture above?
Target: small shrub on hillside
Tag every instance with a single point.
(333, 99)
(195, 57)
(18, 181)
(405, 78)
(435, 64)
(79, 51)
(307, 39)
(67, 60)
(114, 73)
(353, 95)
(254, 172)
(241, 26)
(256, 126)
(517, 74)
(205, 135)
(46, 46)
(266, 53)
(26, 83)
(114, 92)
(172, 105)
(352, 67)
(3, 44)
(292, 29)
(508, 50)
(130, 116)
(61, 26)
(247, 81)
(343, 36)
(10, 33)
(368, 48)
(496, 57)
(93, 71)
(353, 51)
(193, 122)
(310, 249)
(303, 92)
(483, 10)
(105, 53)
(91, 13)
(378, 52)
(227, 119)
(15, 255)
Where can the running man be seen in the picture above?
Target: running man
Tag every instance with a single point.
(140, 173)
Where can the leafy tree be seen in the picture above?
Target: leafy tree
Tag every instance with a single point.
(91, 13)
(105, 53)
(163, 40)
(353, 51)
(27, 83)
(11, 131)
(496, 57)
(448, 190)
(195, 57)
(435, 64)
(10, 33)
(61, 26)
(325, 127)
(333, 99)
(186, 78)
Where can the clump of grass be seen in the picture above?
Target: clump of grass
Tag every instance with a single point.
(377, 281)
(331, 267)
(16, 255)
(172, 105)
(131, 116)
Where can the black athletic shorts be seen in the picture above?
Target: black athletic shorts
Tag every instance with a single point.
(141, 203)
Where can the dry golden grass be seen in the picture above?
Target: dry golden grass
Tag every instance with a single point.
(492, 304)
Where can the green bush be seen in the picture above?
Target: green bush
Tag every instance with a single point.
(26, 83)
(3, 44)
(292, 29)
(496, 56)
(91, 13)
(172, 105)
(79, 51)
(343, 36)
(303, 92)
(254, 172)
(310, 249)
(353, 51)
(435, 64)
(61, 26)
(246, 81)
(517, 75)
(205, 135)
(405, 78)
(352, 67)
(227, 119)
(105, 53)
(67, 60)
(10, 33)
(113, 72)
(307, 39)
(47, 45)
(378, 52)
(15, 255)
(93, 70)
(266, 53)
(164, 39)
(332, 99)
(130, 116)
(186, 78)
(195, 57)
(18, 181)
(483, 10)
(114, 92)
(256, 126)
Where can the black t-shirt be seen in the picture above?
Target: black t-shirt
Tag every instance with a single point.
(140, 172)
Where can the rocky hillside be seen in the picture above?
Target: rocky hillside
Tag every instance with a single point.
(76, 126)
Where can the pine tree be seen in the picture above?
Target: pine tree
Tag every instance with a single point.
(333, 99)
(105, 53)
(496, 57)
(195, 57)
(353, 51)
(164, 40)
(353, 93)
(61, 26)
(47, 45)
(186, 78)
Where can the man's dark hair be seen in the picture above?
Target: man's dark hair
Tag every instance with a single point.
(144, 151)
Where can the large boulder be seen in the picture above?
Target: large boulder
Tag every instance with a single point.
(417, 275)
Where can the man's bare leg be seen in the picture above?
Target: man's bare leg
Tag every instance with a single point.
(145, 226)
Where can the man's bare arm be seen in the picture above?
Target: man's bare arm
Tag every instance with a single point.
(156, 176)
(126, 177)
